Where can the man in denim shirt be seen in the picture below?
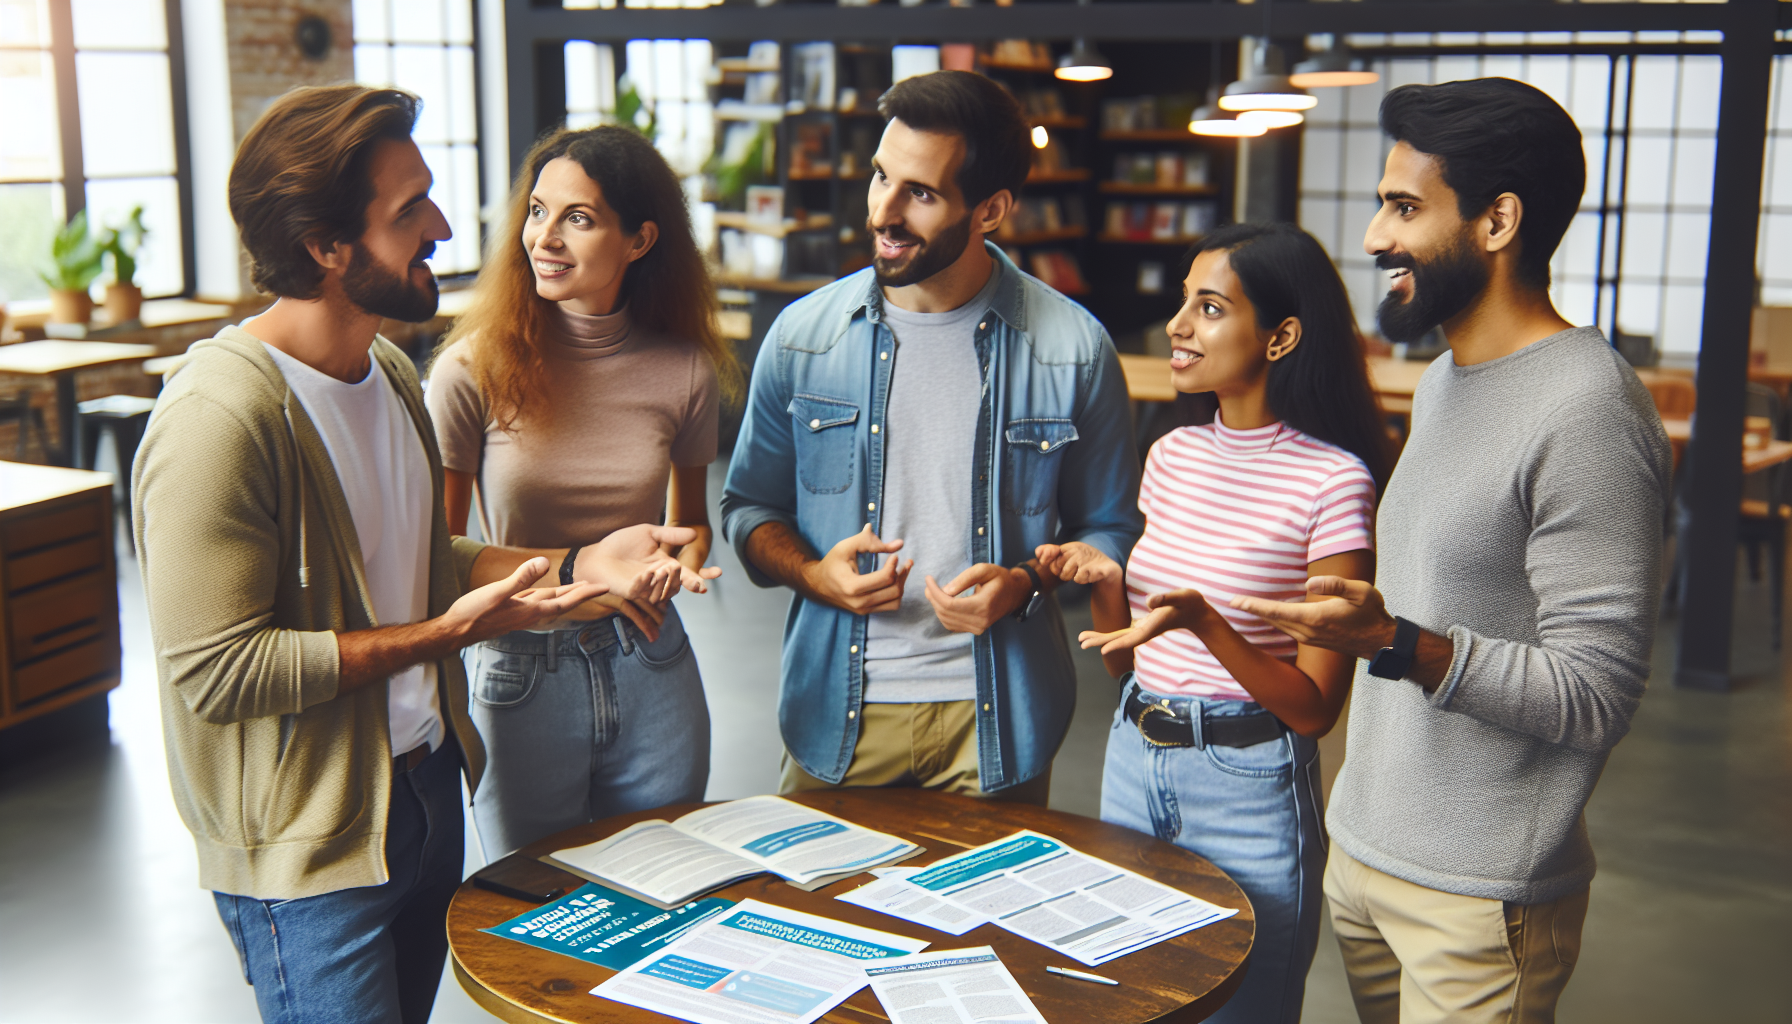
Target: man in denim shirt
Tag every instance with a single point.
(946, 406)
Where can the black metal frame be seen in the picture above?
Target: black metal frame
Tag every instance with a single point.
(1708, 538)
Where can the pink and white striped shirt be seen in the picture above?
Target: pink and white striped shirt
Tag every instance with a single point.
(1231, 512)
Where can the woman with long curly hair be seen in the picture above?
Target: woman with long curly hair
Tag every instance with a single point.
(578, 395)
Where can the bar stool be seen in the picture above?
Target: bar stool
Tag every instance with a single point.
(17, 407)
(124, 416)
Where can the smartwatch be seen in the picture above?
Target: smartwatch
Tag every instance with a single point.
(572, 556)
(1035, 599)
(1395, 661)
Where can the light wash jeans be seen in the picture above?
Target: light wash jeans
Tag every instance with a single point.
(373, 954)
(1254, 812)
(582, 724)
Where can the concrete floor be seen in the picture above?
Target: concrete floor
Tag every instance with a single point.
(101, 919)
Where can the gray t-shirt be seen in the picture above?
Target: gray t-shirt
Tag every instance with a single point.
(929, 444)
(1524, 520)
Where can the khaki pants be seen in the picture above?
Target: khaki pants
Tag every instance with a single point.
(1416, 955)
(932, 746)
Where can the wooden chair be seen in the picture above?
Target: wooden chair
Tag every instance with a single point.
(1675, 397)
(1765, 511)
(18, 408)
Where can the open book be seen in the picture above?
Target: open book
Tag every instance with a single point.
(670, 862)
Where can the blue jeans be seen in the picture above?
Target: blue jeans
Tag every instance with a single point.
(581, 724)
(1253, 811)
(370, 954)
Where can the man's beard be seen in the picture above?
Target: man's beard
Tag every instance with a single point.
(378, 290)
(927, 258)
(1441, 288)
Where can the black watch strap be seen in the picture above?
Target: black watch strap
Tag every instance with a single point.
(1395, 661)
(1028, 606)
(572, 556)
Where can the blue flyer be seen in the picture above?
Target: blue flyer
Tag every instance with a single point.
(604, 927)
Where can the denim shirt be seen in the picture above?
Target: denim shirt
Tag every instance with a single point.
(1055, 462)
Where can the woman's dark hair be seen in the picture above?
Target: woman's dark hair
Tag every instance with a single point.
(1322, 387)
(301, 174)
(1494, 135)
(668, 290)
(997, 150)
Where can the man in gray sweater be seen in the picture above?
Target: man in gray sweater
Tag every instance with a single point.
(1519, 539)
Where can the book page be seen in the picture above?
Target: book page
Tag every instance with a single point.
(658, 861)
(756, 964)
(953, 986)
(794, 841)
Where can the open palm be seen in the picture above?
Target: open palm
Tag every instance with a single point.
(1177, 609)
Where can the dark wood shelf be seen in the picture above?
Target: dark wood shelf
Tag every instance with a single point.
(827, 174)
(1066, 175)
(1040, 237)
(1123, 240)
(1127, 188)
(1057, 122)
(1003, 65)
(1151, 135)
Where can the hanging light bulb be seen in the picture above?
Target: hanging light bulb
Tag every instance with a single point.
(1084, 63)
(1209, 119)
(1266, 87)
(1268, 119)
(1333, 66)
(1041, 138)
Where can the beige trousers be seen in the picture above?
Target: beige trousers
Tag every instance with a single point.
(932, 746)
(1416, 955)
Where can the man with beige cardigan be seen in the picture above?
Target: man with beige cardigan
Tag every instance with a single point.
(305, 597)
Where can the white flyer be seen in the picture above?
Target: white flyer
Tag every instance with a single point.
(1087, 909)
(952, 986)
(756, 964)
(893, 895)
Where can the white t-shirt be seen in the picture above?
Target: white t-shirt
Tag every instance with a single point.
(384, 474)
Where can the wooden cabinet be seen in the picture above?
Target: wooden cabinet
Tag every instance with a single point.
(58, 589)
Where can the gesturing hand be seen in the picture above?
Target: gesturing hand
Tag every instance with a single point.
(1076, 562)
(1340, 615)
(995, 592)
(1177, 609)
(631, 564)
(835, 578)
(511, 604)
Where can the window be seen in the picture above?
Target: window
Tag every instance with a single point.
(107, 144)
(426, 47)
(1634, 257)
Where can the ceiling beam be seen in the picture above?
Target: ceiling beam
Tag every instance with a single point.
(1175, 21)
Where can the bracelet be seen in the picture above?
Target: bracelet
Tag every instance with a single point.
(572, 555)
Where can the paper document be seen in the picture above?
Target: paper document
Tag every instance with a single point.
(1087, 909)
(952, 986)
(670, 862)
(605, 927)
(756, 964)
(892, 894)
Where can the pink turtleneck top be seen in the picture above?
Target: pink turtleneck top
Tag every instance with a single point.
(622, 408)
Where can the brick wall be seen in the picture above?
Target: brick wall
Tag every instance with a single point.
(265, 61)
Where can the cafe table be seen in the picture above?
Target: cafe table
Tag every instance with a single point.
(1394, 380)
(60, 361)
(1185, 978)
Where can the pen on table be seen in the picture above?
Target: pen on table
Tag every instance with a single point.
(1081, 976)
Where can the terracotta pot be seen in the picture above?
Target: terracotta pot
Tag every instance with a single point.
(67, 307)
(123, 302)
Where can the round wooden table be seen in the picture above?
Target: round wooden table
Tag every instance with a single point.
(1181, 979)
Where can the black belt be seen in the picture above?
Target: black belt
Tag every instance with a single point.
(1166, 723)
(410, 759)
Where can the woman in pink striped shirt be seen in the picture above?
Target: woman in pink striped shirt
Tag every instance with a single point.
(1214, 745)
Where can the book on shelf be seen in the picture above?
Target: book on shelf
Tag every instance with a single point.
(1058, 268)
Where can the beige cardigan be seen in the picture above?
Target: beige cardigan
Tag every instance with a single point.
(251, 566)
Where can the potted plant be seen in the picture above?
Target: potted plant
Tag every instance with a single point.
(75, 260)
(124, 300)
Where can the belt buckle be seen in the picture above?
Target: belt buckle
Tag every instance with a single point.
(1167, 713)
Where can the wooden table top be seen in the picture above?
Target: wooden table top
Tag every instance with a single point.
(48, 358)
(22, 483)
(1754, 460)
(1148, 378)
(1181, 979)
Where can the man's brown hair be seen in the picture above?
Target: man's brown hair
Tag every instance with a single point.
(302, 174)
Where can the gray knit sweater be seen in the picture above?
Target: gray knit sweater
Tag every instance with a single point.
(1524, 520)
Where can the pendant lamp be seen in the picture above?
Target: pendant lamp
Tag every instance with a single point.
(1266, 87)
(1335, 65)
(1084, 63)
(1210, 119)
